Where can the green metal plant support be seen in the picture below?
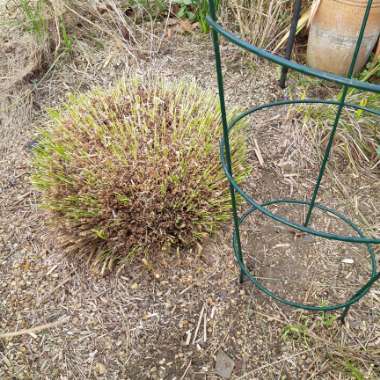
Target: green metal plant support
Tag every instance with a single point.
(225, 155)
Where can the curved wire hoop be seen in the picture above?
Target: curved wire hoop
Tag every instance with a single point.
(225, 156)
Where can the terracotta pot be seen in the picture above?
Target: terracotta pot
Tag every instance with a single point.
(334, 31)
(377, 51)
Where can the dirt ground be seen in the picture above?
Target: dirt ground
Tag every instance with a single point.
(173, 320)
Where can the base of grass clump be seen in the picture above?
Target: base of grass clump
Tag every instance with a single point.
(134, 170)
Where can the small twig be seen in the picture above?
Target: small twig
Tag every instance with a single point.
(51, 67)
(67, 279)
(281, 312)
(213, 312)
(319, 370)
(205, 328)
(270, 318)
(199, 323)
(258, 153)
(188, 337)
(88, 21)
(51, 270)
(103, 30)
(165, 27)
(21, 174)
(58, 33)
(307, 371)
(35, 329)
(22, 198)
(185, 290)
(187, 368)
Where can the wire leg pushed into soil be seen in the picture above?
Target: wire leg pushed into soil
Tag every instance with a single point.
(215, 39)
(290, 43)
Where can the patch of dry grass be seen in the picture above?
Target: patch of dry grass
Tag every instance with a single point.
(358, 135)
(38, 34)
(357, 139)
(261, 22)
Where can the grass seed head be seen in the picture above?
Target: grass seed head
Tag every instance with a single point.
(134, 170)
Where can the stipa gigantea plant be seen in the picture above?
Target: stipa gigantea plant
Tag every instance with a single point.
(134, 170)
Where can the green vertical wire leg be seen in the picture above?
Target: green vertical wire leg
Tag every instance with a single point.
(290, 43)
(338, 113)
(335, 125)
(218, 64)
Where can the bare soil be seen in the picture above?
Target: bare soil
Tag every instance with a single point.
(171, 320)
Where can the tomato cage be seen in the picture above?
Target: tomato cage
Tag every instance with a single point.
(346, 83)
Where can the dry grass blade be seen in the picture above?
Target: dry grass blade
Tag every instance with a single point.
(35, 329)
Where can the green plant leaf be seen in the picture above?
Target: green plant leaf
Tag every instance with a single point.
(181, 13)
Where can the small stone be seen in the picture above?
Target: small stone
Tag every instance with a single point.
(347, 261)
(308, 238)
(224, 365)
(31, 144)
(285, 166)
(100, 368)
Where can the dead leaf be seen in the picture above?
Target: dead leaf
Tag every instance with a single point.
(185, 26)
(224, 365)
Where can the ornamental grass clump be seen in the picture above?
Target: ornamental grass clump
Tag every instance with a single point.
(134, 170)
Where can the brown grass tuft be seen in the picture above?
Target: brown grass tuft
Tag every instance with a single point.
(134, 170)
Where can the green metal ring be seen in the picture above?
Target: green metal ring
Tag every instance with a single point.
(291, 64)
(263, 209)
(356, 297)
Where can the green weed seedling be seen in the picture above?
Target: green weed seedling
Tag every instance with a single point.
(328, 320)
(68, 41)
(354, 372)
(35, 17)
(296, 331)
